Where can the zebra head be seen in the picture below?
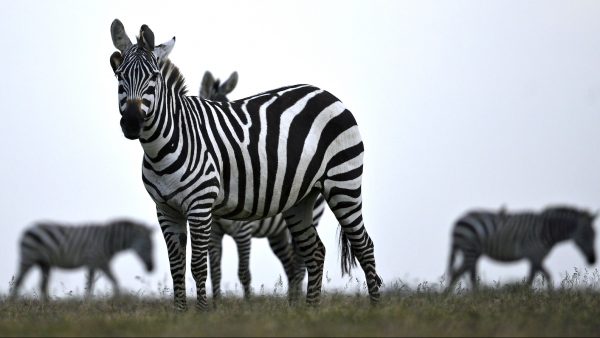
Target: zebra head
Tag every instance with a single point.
(212, 89)
(137, 68)
(585, 235)
(142, 244)
(574, 224)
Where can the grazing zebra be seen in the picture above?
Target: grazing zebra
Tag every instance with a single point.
(509, 237)
(248, 159)
(274, 228)
(49, 244)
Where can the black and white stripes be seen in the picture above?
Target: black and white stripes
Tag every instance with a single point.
(509, 237)
(49, 244)
(248, 159)
(274, 228)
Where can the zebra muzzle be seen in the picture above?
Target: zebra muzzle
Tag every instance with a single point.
(591, 259)
(132, 120)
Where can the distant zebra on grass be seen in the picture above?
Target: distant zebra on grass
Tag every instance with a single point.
(48, 244)
(509, 237)
(274, 228)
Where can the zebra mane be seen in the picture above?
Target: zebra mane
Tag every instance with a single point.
(563, 221)
(173, 77)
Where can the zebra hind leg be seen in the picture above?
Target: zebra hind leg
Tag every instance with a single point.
(310, 247)
(355, 242)
(23, 270)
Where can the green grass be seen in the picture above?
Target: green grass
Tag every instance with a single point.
(572, 309)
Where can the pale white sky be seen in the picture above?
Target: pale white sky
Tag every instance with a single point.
(460, 104)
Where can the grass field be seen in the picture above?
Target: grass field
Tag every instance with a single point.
(573, 309)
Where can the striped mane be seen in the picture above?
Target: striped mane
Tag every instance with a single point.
(173, 77)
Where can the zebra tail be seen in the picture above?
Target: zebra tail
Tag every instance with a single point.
(347, 256)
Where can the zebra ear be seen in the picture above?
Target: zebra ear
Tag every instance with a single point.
(146, 38)
(230, 84)
(206, 86)
(120, 39)
(115, 60)
(163, 50)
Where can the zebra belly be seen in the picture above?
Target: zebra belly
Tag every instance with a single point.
(504, 257)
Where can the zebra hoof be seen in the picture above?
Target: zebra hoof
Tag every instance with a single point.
(202, 307)
(180, 307)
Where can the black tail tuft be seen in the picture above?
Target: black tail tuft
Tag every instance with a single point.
(347, 256)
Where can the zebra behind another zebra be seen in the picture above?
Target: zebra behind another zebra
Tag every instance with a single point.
(508, 237)
(274, 228)
(248, 159)
(50, 244)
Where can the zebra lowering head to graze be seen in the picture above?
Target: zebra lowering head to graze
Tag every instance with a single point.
(249, 159)
(49, 244)
(508, 237)
(212, 89)
(274, 228)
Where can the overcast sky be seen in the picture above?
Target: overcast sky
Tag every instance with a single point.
(461, 104)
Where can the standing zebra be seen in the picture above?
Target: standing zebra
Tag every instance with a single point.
(213, 89)
(248, 159)
(508, 237)
(274, 228)
(48, 244)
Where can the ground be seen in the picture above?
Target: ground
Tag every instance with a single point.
(573, 309)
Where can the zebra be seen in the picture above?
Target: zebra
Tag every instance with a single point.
(508, 237)
(249, 159)
(274, 228)
(50, 244)
(212, 89)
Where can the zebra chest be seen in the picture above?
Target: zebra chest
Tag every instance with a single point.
(175, 189)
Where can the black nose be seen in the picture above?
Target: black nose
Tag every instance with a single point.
(149, 267)
(132, 120)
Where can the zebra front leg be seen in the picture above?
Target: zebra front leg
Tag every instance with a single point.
(108, 272)
(243, 242)
(44, 283)
(310, 247)
(532, 272)
(547, 277)
(89, 283)
(473, 277)
(174, 231)
(215, 250)
(200, 224)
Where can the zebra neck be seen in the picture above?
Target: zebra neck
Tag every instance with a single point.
(162, 131)
(118, 239)
(559, 229)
